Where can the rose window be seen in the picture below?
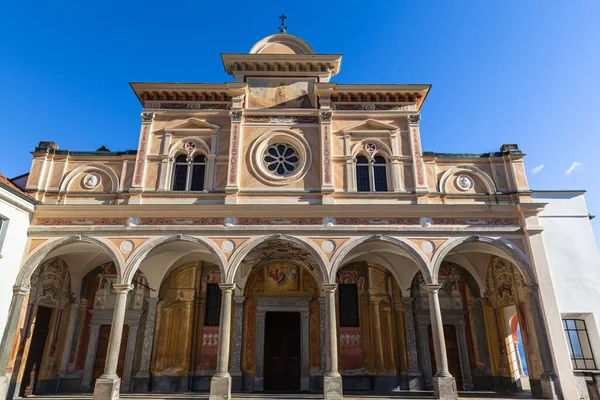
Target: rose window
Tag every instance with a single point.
(281, 159)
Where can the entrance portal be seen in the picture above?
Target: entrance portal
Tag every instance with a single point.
(282, 351)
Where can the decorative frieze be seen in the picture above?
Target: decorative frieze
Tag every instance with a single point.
(344, 221)
(194, 105)
(260, 119)
(373, 106)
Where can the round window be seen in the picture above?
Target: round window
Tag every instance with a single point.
(281, 159)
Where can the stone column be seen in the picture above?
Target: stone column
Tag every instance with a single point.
(142, 378)
(236, 346)
(90, 358)
(322, 334)
(107, 386)
(444, 385)
(532, 302)
(389, 355)
(377, 335)
(220, 384)
(465, 364)
(10, 332)
(414, 375)
(332, 380)
(305, 355)
(66, 355)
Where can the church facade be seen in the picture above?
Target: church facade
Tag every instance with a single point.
(282, 232)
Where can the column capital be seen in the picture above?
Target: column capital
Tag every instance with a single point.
(121, 288)
(413, 119)
(330, 287)
(239, 299)
(21, 290)
(227, 287)
(432, 287)
(147, 117)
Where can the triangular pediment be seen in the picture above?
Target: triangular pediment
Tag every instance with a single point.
(370, 125)
(192, 124)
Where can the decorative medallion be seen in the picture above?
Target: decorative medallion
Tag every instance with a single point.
(428, 247)
(370, 147)
(132, 221)
(228, 246)
(464, 182)
(328, 221)
(189, 146)
(92, 180)
(127, 246)
(328, 246)
(425, 222)
(230, 222)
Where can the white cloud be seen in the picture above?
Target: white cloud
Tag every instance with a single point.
(575, 167)
(537, 169)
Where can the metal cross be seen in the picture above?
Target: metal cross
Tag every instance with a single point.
(282, 28)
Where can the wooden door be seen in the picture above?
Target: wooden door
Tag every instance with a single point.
(103, 348)
(452, 353)
(282, 351)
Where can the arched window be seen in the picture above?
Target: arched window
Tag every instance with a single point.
(189, 175)
(371, 175)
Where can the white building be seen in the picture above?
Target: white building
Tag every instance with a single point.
(15, 211)
(575, 268)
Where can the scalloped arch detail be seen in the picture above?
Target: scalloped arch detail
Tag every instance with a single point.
(485, 178)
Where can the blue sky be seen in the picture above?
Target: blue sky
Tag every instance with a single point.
(508, 71)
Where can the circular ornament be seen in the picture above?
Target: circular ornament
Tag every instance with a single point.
(281, 159)
(230, 222)
(92, 180)
(189, 146)
(228, 246)
(425, 222)
(127, 246)
(370, 147)
(428, 247)
(328, 221)
(464, 182)
(132, 221)
(328, 246)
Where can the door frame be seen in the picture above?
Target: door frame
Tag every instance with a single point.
(265, 304)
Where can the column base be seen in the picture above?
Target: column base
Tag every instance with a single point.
(547, 386)
(220, 387)
(140, 383)
(415, 381)
(107, 388)
(332, 387)
(444, 387)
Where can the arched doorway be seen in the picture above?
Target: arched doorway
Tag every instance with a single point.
(279, 315)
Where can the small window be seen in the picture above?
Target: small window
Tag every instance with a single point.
(579, 344)
(3, 230)
(348, 293)
(213, 305)
(371, 175)
(189, 175)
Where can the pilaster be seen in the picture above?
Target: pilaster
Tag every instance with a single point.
(140, 159)
(142, 378)
(235, 142)
(419, 175)
(325, 118)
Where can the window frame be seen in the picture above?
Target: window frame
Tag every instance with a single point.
(3, 232)
(371, 168)
(575, 359)
(189, 171)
